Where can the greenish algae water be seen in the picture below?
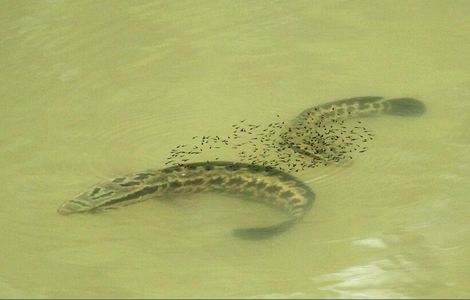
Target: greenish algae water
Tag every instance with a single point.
(95, 89)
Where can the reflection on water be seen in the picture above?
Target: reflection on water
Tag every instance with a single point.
(378, 279)
(93, 90)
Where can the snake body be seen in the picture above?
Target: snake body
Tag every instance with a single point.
(312, 143)
(265, 184)
(260, 183)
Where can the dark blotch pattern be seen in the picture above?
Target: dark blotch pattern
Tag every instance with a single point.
(216, 181)
(194, 182)
(273, 189)
(235, 181)
(145, 191)
(104, 195)
(233, 167)
(295, 201)
(260, 185)
(287, 194)
(363, 105)
(208, 167)
(175, 184)
(142, 176)
(251, 184)
(130, 183)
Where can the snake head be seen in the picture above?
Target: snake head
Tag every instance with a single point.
(91, 200)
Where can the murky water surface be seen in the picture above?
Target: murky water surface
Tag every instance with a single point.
(95, 89)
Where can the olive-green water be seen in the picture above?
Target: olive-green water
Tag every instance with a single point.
(92, 90)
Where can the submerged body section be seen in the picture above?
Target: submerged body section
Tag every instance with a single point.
(258, 183)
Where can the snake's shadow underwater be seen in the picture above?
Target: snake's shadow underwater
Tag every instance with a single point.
(266, 184)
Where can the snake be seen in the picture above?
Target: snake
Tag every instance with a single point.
(265, 184)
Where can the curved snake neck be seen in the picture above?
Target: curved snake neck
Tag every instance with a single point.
(250, 181)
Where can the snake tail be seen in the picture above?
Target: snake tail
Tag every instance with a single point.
(261, 233)
(407, 107)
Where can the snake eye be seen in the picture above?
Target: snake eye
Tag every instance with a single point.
(95, 191)
(100, 192)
